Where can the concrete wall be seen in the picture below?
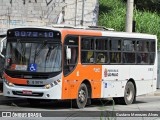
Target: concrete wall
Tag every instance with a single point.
(15, 13)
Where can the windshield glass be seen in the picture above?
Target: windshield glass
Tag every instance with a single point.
(33, 57)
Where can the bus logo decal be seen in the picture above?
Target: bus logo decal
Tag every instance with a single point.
(33, 67)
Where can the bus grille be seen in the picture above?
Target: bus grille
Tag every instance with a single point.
(30, 85)
(31, 76)
(34, 94)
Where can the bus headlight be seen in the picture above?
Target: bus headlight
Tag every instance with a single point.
(47, 86)
(52, 84)
(8, 83)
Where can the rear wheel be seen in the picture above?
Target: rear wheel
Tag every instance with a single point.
(129, 95)
(82, 97)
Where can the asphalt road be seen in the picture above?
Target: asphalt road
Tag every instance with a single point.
(63, 110)
(143, 103)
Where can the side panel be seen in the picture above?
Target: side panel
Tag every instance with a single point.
(92, 73)
(72, 82)
(143, 76)
(114, 80)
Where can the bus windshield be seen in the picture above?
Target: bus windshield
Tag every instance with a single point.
(33, 57)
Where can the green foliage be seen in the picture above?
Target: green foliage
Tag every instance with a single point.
(147, 22)
(113, 15)
(151, 5)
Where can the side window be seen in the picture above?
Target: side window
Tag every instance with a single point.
(129, 51)
(87, 50)
(142, 58)
(115, 48)
(142, 45)
(142, 48)
(152, 46)
(94, 50)
(101, 44)
(152, 52)
(71, 42)
(101, 52)
(87, 43)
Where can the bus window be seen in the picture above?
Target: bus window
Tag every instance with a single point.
(115, 54)
(72, 43)
(142, 45)
(115, 57)
(87, 50)
(87, 43)
(142, 58)
(87, 57)
(101, 44)
(115, 45)
(128, 57)
(128, 51)
(128, 45)
(152, 46)
(101, 57)
(152, 57)
(152, 52)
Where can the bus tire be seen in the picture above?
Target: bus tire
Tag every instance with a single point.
(82, 97)
(129, 94)
(33, 102)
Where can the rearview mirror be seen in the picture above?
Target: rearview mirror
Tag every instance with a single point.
(68, 53)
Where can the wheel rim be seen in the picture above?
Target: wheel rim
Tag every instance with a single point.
(82, 96)
(129, 94)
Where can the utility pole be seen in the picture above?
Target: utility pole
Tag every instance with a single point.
(75, 19)
(82, 20)
(129, 15)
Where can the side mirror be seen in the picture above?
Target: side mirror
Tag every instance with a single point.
(68, 53)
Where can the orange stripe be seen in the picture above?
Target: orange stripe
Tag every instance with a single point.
(15, 80)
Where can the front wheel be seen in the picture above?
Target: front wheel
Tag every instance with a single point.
(82, 97)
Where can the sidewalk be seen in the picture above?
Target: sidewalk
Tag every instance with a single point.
(156, 93)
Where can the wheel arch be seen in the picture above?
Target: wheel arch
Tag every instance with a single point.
(88, 84)
(134, 83)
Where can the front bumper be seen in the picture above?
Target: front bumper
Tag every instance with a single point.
(54, 92)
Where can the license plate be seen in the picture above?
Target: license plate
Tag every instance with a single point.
(26, 92)
(35, 82)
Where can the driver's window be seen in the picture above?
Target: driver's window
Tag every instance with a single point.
(71, 42)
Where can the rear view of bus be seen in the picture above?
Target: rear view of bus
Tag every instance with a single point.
(33, 63)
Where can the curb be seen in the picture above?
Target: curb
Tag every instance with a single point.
(156, 93)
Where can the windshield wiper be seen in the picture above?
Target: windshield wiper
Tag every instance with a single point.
(38, 49)
(22, 50)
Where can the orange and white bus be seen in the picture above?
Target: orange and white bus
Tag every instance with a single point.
(79, 64)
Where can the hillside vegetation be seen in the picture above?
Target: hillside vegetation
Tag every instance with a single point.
(113, 15)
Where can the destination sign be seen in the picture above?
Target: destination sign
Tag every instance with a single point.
(33, 33)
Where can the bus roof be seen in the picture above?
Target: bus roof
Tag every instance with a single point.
(103, 31)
